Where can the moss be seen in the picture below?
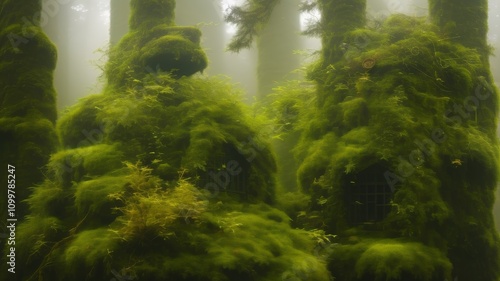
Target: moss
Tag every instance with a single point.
(463, 21)
(389, 260)
(28, 110)
(200, 168)
(175, 54)
(176, 232)
(89, 249)
(419, 106)
(338, 18)
(92, 200)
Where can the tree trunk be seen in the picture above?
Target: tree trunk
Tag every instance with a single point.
(28, 101)
(463, 21)
(337, 18)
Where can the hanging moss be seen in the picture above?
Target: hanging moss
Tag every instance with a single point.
(410, 115)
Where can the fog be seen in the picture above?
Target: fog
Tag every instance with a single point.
(81, 31)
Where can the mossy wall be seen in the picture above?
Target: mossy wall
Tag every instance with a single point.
(163, 176)
(27, 98)
(420, 105)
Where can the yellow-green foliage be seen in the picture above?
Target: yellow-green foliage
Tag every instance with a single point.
(68, 166)
(463, 21)
(152, 210)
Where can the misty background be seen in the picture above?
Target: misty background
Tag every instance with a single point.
(83, 31)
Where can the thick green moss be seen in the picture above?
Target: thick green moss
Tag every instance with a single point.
(190, 201)
(176, 231)
(389, 260)
(419, 110)
(155, 44)
(463, 21)
(338, 17)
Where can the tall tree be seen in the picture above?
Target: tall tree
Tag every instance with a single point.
(338, 17)
(28, 101)
(463, 21)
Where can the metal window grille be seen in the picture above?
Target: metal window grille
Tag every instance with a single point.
(368, 197)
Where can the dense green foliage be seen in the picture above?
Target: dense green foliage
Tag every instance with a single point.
(27, 98)
(420, 109)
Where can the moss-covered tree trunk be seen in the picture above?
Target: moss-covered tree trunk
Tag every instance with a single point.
(463, 21)
(27, 98)
(337, 18)
(466, 22)
(151, 13)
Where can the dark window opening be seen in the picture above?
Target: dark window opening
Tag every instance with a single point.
(368, 196)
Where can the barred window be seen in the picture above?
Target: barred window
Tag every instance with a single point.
(368, 196)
